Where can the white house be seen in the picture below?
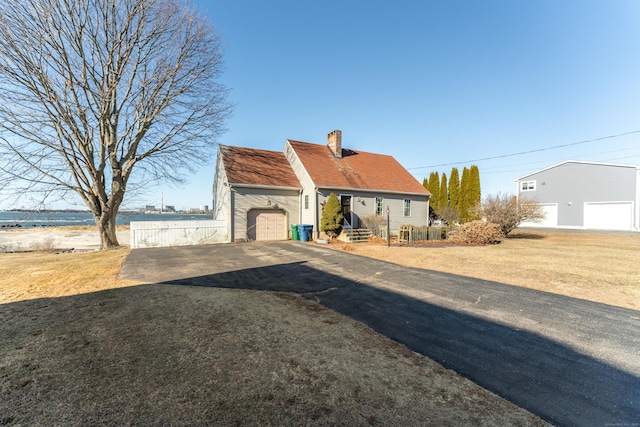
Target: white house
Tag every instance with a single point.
(585, 195)
(262, 193)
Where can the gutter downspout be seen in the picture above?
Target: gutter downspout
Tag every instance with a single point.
(231, 214)
(316, 222)
(300, 206)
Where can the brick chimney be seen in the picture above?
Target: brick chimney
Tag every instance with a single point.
(334, 141)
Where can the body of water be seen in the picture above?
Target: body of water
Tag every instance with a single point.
(16, 219)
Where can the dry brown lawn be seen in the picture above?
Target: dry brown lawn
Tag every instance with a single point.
(600, 268)
(81, 347)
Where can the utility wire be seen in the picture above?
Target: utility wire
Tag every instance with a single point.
(592, 155)
(530, 151)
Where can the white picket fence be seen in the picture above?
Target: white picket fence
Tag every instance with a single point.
(148, 234)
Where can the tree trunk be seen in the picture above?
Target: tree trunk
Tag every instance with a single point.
(107, 228)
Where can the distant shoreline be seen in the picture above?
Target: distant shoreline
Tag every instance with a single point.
(46, 210)
(62, 218)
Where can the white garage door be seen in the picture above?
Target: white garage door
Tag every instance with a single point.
(608, 216)
(267, 224)
(550, 217)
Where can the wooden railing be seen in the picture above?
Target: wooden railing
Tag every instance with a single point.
(412, 234)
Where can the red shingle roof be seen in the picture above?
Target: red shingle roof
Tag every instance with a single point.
(257, 167)
(356, 169)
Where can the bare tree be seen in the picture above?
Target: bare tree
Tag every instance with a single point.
(101, 96)
(508, 211)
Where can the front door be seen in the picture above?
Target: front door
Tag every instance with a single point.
(345, 201)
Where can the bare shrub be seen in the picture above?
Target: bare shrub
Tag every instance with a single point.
(509, 211)
(477, 233)
(46, 245)
(449, 214)
(374, 223)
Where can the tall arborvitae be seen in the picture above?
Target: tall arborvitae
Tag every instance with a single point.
(454, 189)
(434, 187)
(444, 196)
(474, 193)
(465, 202)
(331, 219)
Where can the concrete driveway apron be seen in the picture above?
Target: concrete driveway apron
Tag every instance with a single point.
(569, 361)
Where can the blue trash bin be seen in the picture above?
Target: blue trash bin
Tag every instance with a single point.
(305, 231)
(309, 232)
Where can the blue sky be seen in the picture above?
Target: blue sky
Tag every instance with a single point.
(432, 82)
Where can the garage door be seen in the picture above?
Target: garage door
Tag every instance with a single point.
(550, 217)
(267, 224)
(608, 216)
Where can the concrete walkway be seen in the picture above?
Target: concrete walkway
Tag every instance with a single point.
(569, 361)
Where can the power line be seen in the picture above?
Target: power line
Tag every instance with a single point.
(530, 151)
(511, 165)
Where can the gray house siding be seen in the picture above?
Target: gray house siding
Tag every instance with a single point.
(232, 204)
(246, 199)
(221, 203)
(572, 191)
(308, 214)
(363, 204)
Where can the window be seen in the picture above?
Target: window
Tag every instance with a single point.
(407, 207)
(306, 201)
(528, 186)
(379, 201)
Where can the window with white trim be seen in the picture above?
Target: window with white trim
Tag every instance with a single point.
(528, 186)
(379, 202)
(407, 207)
(306, 201)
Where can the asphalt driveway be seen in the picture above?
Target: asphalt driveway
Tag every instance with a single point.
(569, 361)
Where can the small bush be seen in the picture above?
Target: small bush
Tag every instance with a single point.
(477, 233)
(331, 219)
(510, 211)
(46, 245)
(374, 223)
